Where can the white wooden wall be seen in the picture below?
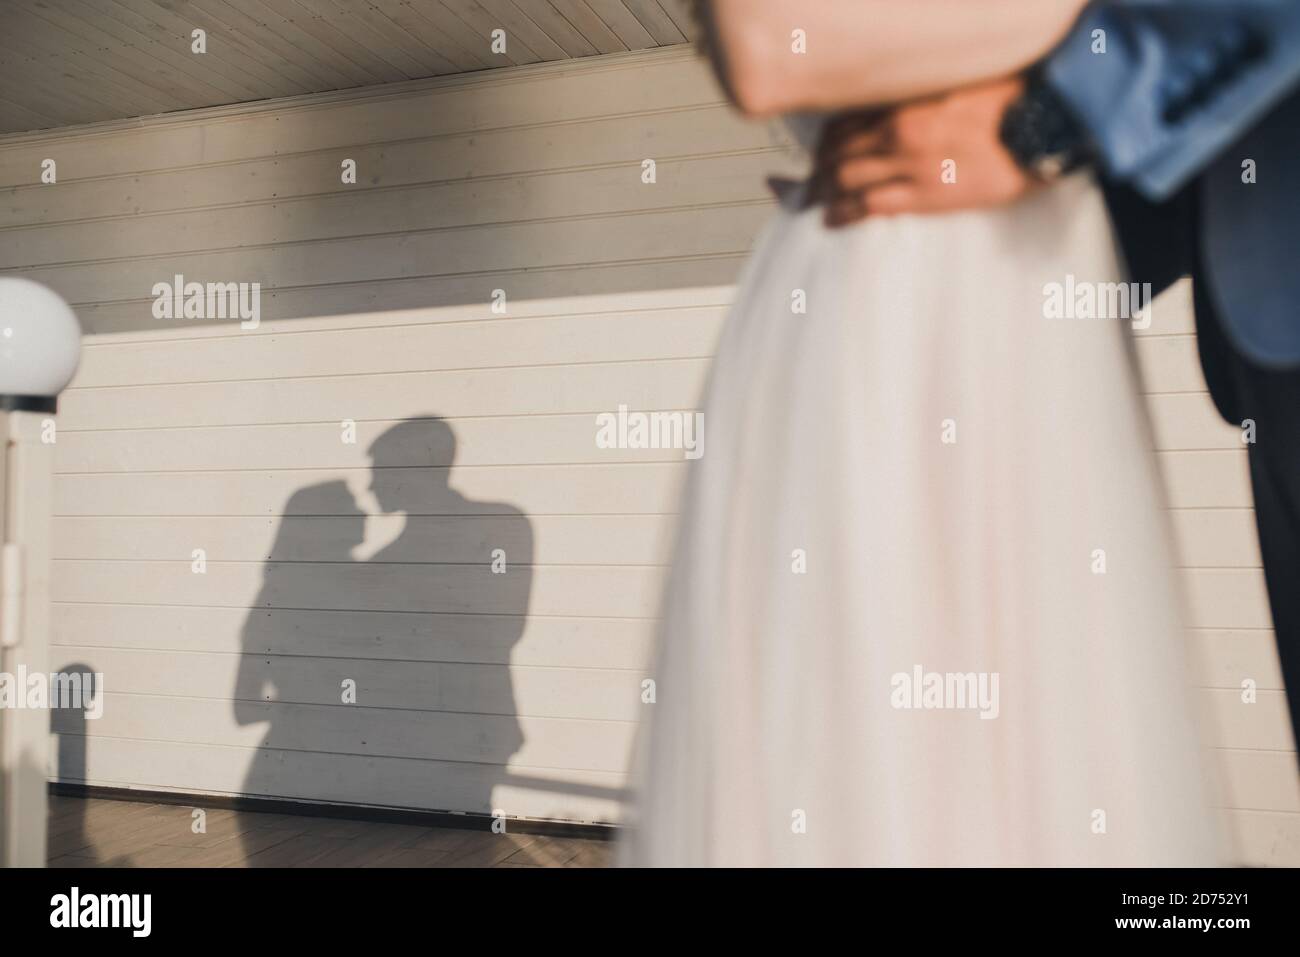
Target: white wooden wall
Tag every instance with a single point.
(475, 691)
(1208, 483)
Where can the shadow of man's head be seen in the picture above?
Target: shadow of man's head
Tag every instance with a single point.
(426, 443)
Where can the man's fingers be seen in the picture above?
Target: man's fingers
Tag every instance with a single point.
(889, 199)
(845, 209)
(865, 171)
(844, 188)
(875, 139)
(847, 124)
(855, 132)
(895, 198)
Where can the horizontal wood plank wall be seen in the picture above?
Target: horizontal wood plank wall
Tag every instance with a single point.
(476, 691)
(1208, 482)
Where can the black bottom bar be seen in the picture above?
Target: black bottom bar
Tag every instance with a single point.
(608, 910)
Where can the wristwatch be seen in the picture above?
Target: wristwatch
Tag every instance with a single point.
(1040, 134)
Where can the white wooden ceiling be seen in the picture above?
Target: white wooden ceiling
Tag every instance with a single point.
(65, 62)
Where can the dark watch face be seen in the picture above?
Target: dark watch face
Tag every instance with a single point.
(1039, 132)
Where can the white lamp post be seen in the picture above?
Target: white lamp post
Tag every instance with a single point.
(40, 344)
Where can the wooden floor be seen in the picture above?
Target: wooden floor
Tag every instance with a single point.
(100, 833)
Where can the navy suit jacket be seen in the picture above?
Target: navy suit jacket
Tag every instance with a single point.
(1203, 95)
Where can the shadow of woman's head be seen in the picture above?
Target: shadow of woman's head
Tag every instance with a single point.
(319, 541)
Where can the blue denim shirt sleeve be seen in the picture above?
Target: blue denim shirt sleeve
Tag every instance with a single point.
(1163, 86)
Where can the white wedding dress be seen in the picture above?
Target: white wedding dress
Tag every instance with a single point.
(923, 474)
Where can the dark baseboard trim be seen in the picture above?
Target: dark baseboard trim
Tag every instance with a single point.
(353, 812)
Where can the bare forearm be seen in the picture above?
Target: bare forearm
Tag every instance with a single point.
(873, 52)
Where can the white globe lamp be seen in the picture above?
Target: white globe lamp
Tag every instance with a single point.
(40, 345)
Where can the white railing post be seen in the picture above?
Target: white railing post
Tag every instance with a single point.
(39, 348)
